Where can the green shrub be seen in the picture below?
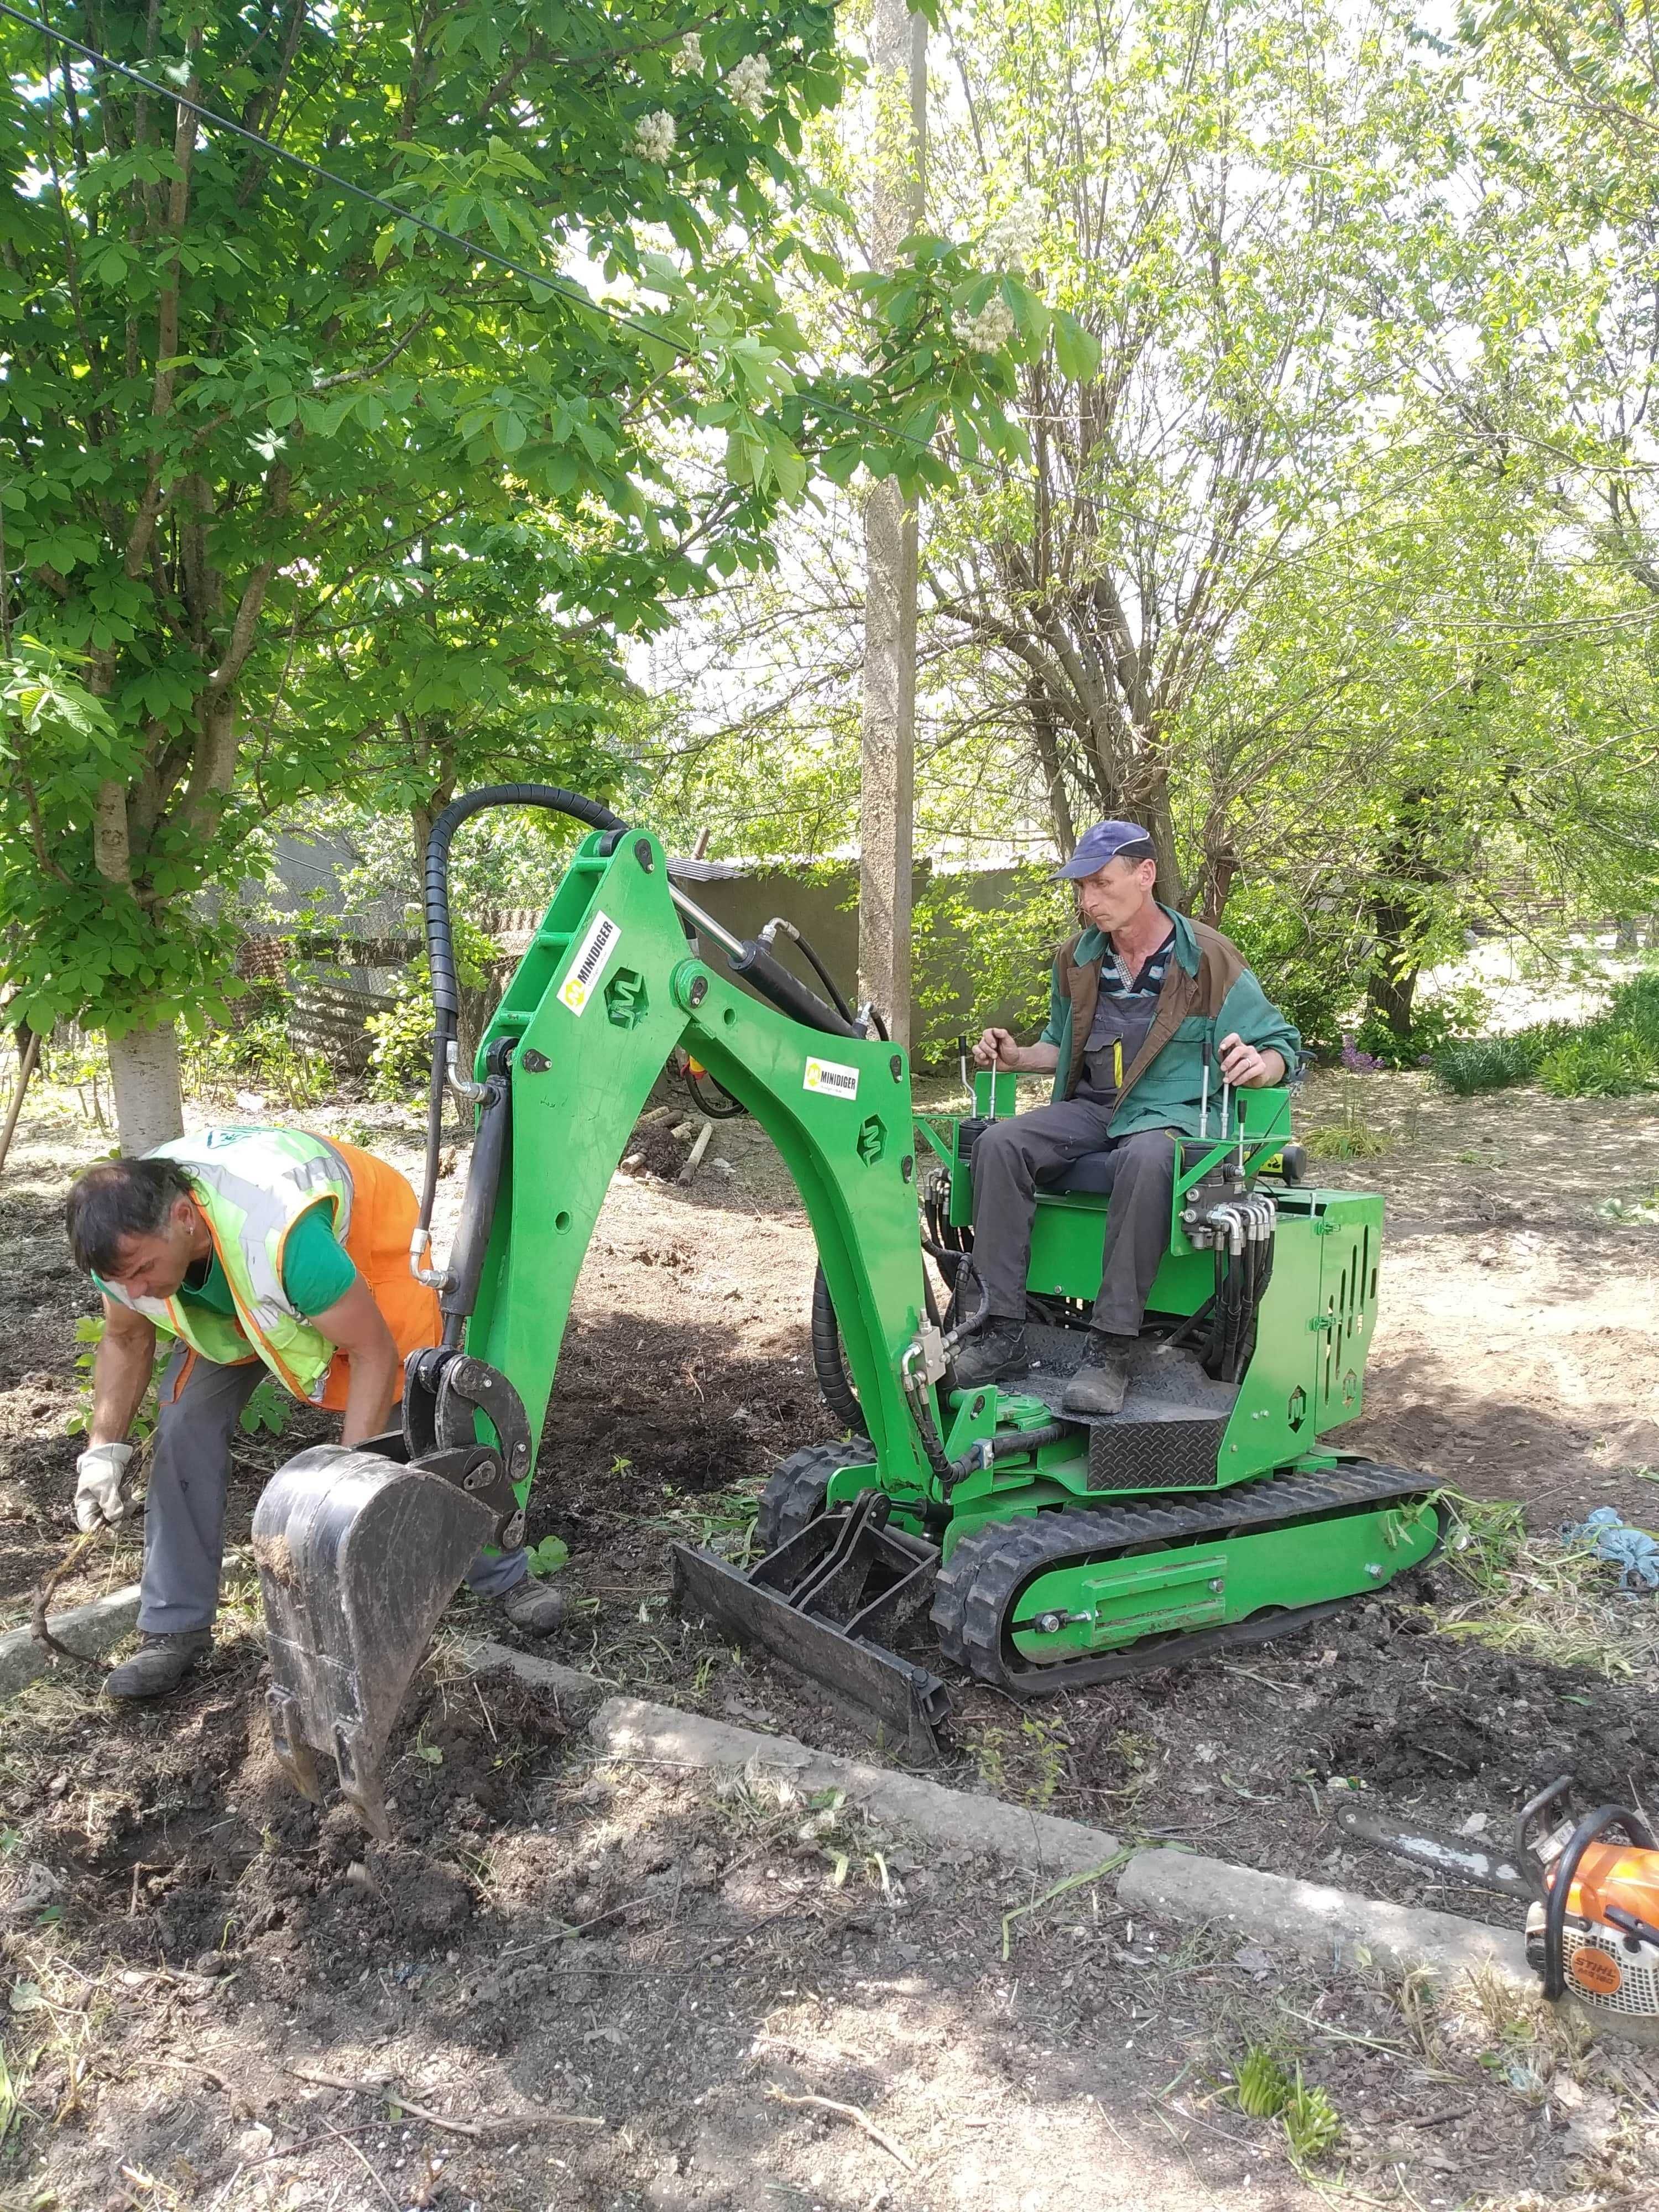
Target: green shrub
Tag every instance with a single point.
(90, 1335)
(1613, 1055)
(549, 1556)
(1435, 1024)
(1598, 1064)
(400, 1058)
(975, 964)
(1302, 961)
(1474, 1064)
(261, 1055)
(1634, 1008)
(266, 1413)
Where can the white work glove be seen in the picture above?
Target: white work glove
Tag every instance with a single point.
(98, 1486)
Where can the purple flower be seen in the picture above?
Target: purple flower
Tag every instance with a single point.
(1357, 1062)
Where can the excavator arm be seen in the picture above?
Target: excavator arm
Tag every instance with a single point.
(607, 990)
(359, 1551)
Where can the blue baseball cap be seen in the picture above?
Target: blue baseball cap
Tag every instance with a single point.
(1100, 842)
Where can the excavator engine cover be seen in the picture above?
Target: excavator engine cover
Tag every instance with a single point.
(358, 1556)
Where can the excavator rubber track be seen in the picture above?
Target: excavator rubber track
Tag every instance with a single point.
(977, 1596)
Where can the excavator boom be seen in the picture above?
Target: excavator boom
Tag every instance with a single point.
(360, 1552)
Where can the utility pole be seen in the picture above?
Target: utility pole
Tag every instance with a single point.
(888, 779)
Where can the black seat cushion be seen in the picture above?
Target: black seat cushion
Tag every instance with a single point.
(1090, 1175)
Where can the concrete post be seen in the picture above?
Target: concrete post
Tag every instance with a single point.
(887, 787)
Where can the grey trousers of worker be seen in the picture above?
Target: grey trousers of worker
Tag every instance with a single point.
(184, 1504)
(1008, 1159)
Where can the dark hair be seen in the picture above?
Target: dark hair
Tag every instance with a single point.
(116, 1199)
(1138, 849)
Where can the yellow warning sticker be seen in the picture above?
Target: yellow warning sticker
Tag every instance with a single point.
(598, 942)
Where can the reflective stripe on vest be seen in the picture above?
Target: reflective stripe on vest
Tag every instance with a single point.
(252, 1186)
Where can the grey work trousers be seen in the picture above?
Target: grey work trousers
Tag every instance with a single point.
(185, 1504)
(1011, 1155)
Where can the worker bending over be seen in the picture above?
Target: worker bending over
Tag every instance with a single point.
(260, 1250)
(1142, 1001)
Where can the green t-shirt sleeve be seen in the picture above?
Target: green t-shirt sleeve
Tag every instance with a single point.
(316, 1272)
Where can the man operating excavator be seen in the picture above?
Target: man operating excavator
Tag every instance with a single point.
(259, 1250)
(1145, 1005)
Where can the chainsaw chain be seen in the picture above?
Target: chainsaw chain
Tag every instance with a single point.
(979, 1587)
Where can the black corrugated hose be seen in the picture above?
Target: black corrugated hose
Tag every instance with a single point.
(440, 942)
(828, 1363)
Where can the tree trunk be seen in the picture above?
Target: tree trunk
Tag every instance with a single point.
(1388, 996)
(144, 1067)
(1396, 913)
(1045, 736)
(1216, 880)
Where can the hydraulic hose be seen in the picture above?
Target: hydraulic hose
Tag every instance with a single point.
(731, 1110)
(828, 1363)
(857, 1021)
(1239, 1262)
(950, 1263)
(819, 968)
(440, 957)
(975, 1319)
(483, 1182)
(446, 990)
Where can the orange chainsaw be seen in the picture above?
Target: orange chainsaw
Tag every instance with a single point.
(1592, 1899)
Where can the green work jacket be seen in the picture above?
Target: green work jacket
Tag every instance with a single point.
(1208, 993)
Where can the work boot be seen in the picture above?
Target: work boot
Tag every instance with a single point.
(994, 1351)
(1102, 1383)
(160, 1664)
(534, 1608)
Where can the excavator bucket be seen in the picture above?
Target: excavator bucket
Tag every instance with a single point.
(358, 1556)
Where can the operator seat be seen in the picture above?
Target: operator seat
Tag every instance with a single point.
(1090, 1177)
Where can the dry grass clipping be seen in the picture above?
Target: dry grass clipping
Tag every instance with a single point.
(1545, 1600)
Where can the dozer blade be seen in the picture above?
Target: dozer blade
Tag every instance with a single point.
(813, 1605)
(358, 1556)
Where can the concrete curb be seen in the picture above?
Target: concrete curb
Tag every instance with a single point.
(1329, 1926)
(89, 1631)
(629, 1728)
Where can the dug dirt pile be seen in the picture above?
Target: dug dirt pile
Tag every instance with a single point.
(577, 1984)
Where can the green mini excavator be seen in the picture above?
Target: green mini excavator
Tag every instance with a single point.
(1042, 1550)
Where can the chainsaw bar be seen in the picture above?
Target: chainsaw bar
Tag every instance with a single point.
(980, 1586)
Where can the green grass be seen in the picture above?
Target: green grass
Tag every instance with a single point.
(1614, 1054)
(1538, 1597)
(1261, 2088)
(1352, 1138)
(1311, 2125)
(1491, 1063)
(1345, 1140)
(1598, 1067)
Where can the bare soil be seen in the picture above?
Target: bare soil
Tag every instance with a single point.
(555, 1942)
